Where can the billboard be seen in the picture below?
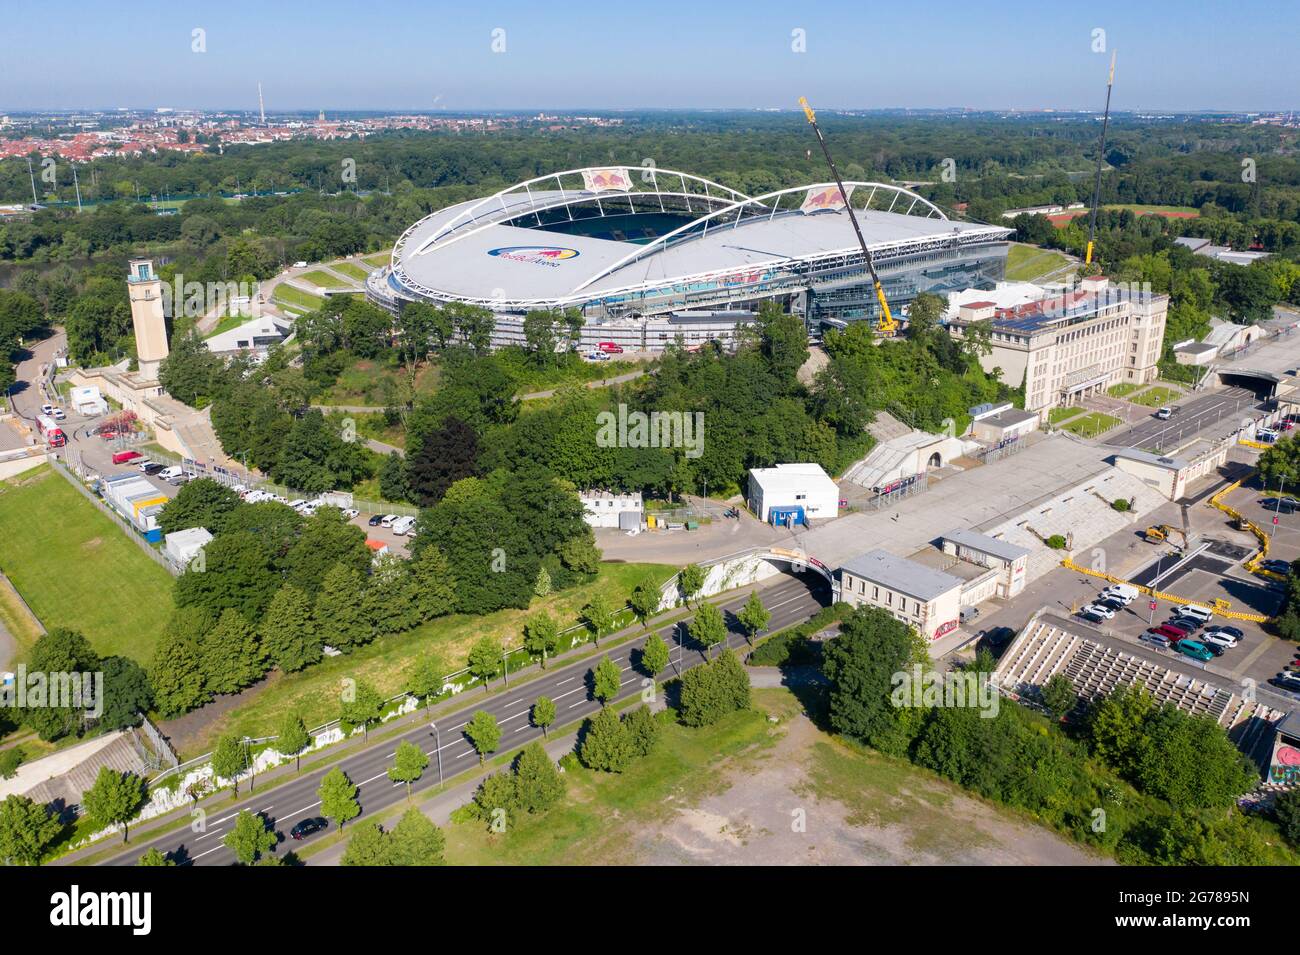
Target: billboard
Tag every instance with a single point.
(614, 179)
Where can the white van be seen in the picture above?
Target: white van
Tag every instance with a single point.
(402, 525)
(1195, 612)
(172, 472)
(1124, 593)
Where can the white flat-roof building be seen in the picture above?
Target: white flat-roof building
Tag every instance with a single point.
(919, 596)
(1001, 423)
(182, 547)
(255, 335)
(1009, 560)
(606, 508)
(793, 490)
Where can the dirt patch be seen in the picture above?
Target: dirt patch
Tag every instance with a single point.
(810, 800)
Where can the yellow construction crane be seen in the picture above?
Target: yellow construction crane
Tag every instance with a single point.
(886, 325)
(1101, 157)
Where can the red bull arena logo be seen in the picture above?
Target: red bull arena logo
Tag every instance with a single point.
(535, 254)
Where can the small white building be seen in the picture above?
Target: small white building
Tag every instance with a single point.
(1010, 561)
(255, 335)
(86, 399)
(788, 487)
(605, 508)
(919, 596)
(182, 547)
(1001, 423)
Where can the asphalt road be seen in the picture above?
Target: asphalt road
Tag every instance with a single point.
(789, 600)
(1192, 416)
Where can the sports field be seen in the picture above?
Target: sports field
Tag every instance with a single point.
(77, 569)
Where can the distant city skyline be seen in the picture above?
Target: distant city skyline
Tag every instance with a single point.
(1020, 55)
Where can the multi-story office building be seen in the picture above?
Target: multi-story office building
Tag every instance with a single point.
(1063, 345)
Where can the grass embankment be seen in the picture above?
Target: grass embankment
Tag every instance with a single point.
(1057, 415)
(288, 295)
(1122, 390)
(1028, 262)
(314, 693)
(76, 569)
(1091, 425)
(350, 269)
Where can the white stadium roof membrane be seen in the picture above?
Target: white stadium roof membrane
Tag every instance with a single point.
(498, 251)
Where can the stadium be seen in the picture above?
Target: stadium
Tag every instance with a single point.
(655, 256)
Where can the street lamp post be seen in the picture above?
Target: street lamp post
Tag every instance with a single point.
(437, 748)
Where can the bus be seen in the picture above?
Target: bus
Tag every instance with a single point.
(50, 431)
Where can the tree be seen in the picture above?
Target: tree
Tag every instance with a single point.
(483, 658)
(654, 655)
(326, 541)
(368, 846)
(432, 582)
(339, 615)
(543, 713)
(645, 599)
(409, 764)
(711, 691)
(175, 674)
(416, 841)
(605, 744)
(1286, 809)
(155, 857)
(541, 636)
(708, 629)
(338, 797)
(392, 478)
(1190, 762)
(690, 581)
(114, 799)
(753, 616)
(1059, 696)
(127, 693)
(199, 503)
(538, 784)
(606, 679)
(230, 655)
(362, 706)
(426, 677)
(26, 830)
(442, 457)
(249, 837)
(860, 665)
(61, 651)
(229, 759)
(288, 632)
(598, 616)
(642, 730)
(293, 738)
(236, 575)
(1114, 727)
(484, 733)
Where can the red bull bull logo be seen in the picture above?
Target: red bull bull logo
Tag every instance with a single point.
(535, 254)
(599, 180)
(828, 197)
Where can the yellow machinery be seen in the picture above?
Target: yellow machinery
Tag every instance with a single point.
(886, 325)
(1101, 157)
(1159, 533)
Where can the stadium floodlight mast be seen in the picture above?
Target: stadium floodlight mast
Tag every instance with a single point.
(887, 325)
(1101, 157)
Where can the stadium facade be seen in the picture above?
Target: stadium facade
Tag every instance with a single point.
(652, 256)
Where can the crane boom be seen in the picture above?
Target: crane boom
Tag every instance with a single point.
(1101, 156)
(887, 325)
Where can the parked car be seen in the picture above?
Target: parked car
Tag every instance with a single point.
(1167, 631)
(1088, 615)
(375, 520)
(1265, 435)
(125, 457)
(967, 614)
(1114, 603)
(47, 408)
(1183, 628)
(57, 414)
(152, 467)
(403, 525)
(1218, 639)
(1278, 504)
(108, 434)
(996, 638)
(1155, 639)
(1194, 649)
(350, 512)
(1194, 610)
(388, 520)
(1101, 610)
(1234, 632)
(307, 827)
(1124, 593)
(1287, 681)
(1277, 566)
(168, 474)
(1190, 624)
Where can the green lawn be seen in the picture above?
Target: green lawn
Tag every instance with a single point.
(227, 323)
(1122, 390)
(314, 692)
(292, 296)
(320, 278)
(350, 269)
(1156, 397)
(1091, 425)
(591, 825)
(1057, 415)
(76, 568)
(1028, 262)
(379, 260)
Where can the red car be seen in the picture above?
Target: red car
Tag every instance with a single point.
(108, 435)
(1165, 630)
(122, 457)
(610, 348)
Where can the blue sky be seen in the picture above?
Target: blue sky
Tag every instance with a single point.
(982, 54)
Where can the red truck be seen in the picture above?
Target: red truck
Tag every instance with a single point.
(50, 431)
(122, 457)
(610, 348)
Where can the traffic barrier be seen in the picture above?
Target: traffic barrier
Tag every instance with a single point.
(1219, 608)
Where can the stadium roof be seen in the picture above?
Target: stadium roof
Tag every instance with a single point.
(524, 246)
